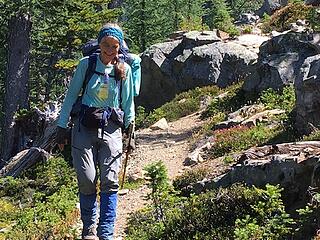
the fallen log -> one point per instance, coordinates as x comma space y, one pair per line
41, 147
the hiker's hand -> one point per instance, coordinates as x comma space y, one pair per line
129, 138
129, 130
62, 136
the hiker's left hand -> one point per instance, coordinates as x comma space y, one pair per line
62, 137
129, 138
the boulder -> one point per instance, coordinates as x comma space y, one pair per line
294, 166
269, 6
280, 59
308, 96
248, 18
198, 59
162, 124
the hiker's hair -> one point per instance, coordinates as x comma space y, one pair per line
120, 70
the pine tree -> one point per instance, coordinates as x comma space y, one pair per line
238, 7
219, 16
59, 28
59, 33
17, 72
192, 13
146, 22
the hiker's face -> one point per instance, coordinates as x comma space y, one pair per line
109, 49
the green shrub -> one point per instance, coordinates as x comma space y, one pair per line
46, 196
233, 31
308, 221
182, 105
281, 19
192, 23
140, 117
314, 19
240, 138
8, 213
284, 99
269, 220
213, 215
181, 182
234, 99
313, 136
247, 29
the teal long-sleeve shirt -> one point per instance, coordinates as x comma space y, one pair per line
97, 94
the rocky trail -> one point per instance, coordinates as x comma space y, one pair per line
170, 146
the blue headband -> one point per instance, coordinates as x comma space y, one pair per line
113, 32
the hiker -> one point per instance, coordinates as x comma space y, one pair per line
108, 98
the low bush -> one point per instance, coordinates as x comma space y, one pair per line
247, 29
234, 98
269, 219
314, 19
308, 221
281, 19
182, 182
182, 105
313, 136
240, 138
45, 198
284, 99
217, 214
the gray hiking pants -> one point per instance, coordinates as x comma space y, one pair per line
94, 157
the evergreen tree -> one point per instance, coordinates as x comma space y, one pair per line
146, 22
149, 22
59, 28
192, 13
59, 32
18, 23
238, 7
219, 17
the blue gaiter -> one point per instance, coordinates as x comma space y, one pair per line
88, 210
108, 209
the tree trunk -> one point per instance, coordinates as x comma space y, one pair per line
16, 84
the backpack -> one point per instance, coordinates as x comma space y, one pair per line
92, 48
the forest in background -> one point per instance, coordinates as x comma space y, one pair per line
41, 44
41, 41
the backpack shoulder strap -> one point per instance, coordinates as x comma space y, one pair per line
91, 69
119, 86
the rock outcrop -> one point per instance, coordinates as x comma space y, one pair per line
280, 59
269, 6
294, 166
198, 59
307, 89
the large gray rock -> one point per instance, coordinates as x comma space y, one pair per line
269, 6
307, 89
280, 59
198, 59
294, 166
312, 2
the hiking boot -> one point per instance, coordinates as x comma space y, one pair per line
89, 234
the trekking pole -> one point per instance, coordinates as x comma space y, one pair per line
130, 130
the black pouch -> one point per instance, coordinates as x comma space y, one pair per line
94, 118
117, 116
76, 108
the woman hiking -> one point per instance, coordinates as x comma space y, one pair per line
107, 108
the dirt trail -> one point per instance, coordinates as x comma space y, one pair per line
171, 146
